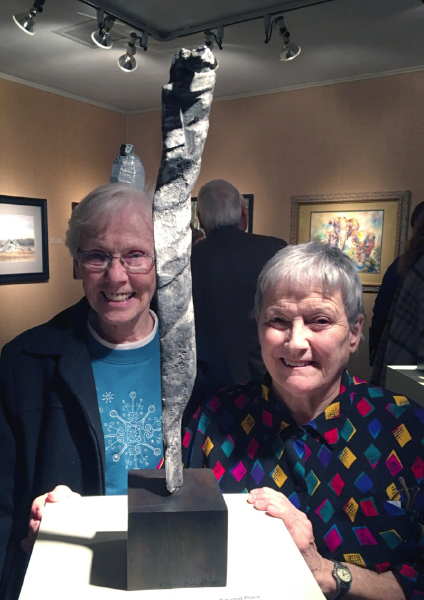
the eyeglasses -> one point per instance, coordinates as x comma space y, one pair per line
133, 262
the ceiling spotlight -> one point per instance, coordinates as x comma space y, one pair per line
127, 61
210, 36
102, 37
208, 39
26, 21
144, 40
220, 35
289, 50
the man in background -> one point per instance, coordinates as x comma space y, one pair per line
225, 268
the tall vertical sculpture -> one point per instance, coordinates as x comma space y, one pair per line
186, 103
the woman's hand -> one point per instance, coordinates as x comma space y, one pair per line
59, 493
365, 585
300, 528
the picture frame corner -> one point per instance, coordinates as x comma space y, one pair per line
25, 262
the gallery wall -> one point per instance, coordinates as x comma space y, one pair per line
362, 136
58, 149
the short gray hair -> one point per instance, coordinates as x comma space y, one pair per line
92, 215
311, 264
219, 204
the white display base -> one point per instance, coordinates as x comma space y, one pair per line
406, 380
80, 554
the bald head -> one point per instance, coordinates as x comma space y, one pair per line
219, 204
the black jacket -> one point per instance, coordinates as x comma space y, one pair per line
50, 428
225, 269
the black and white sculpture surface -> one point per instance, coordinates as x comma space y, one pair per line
186, 103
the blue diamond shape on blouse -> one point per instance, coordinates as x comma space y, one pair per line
299, 446
294, 499
419, 413
363, 482
324, 456
257, 472
374, 427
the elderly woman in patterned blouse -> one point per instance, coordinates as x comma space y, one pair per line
337, 460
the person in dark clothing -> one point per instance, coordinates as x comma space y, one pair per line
383, 302
67, 386
391, 281
81, 394
339, 461
402, 341
225, 268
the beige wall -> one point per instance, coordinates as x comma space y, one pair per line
364, 136
58, 149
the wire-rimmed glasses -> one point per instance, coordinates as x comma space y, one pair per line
133, 262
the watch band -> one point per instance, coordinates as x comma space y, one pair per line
343, 577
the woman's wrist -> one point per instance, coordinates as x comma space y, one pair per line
325, 579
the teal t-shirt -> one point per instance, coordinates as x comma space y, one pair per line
127, 378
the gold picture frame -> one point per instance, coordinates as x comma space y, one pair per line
371, 228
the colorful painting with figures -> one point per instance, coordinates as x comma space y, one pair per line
357, 233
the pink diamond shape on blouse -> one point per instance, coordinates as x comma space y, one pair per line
239, 471
218, 471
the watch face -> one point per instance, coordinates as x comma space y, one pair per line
344, 574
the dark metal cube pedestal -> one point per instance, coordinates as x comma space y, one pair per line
176, 540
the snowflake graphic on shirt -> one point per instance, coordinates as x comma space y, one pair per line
108, 397
137, 433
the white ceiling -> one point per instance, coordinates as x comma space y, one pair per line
340, 40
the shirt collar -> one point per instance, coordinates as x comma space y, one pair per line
333, 417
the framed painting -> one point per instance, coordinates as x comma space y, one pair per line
371, 229
249, 205
23, 240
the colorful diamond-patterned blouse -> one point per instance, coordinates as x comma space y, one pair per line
356, 470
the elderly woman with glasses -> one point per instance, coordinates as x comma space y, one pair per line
338, 461
81, 401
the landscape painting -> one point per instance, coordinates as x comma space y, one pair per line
17, 238
24, 255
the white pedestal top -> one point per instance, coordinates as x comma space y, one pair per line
406, 380
80, 554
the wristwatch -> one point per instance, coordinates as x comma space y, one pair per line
343, 577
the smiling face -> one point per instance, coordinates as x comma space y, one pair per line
306, 342
120, 300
